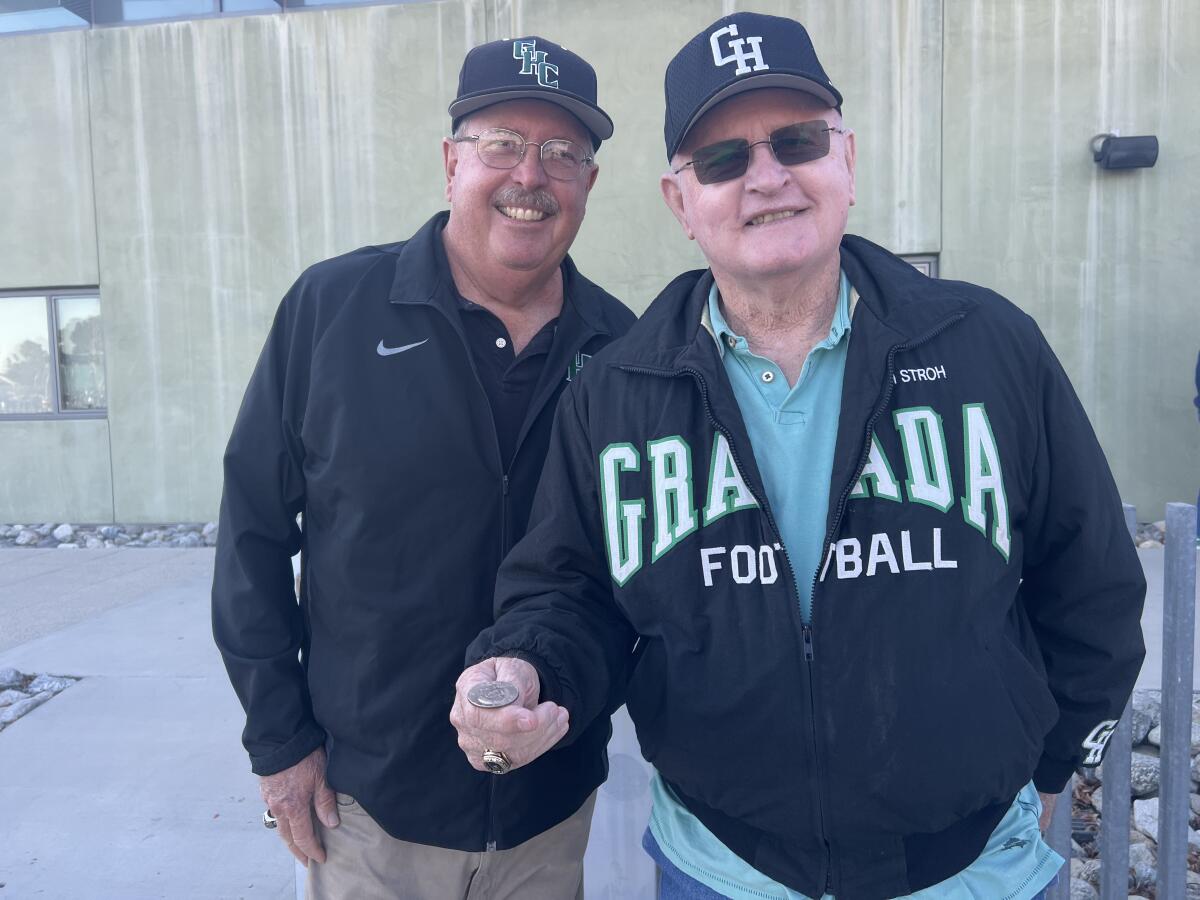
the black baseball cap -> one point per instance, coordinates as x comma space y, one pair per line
741, 52
530, 68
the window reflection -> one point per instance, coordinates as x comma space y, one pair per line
24, 356
80, 353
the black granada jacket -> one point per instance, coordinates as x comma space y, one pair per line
975, 622
394, 461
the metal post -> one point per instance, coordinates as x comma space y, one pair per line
1179, 624
1058, 836
1114, 817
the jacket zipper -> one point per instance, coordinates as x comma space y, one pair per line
839, 511
490, 843
806, 628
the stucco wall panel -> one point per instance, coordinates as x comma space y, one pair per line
47, 223
230, 154
1105, 261
55, 471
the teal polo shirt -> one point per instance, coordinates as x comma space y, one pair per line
793, 432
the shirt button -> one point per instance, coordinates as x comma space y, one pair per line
731, 341
501, 343
768, 377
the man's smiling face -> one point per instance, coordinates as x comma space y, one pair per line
518, 218
774, 220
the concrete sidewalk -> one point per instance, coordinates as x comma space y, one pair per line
132, 783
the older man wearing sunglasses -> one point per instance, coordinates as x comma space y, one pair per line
403, 403
839, 534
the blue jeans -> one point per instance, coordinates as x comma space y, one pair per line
675, 884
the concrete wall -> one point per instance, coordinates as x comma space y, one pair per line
231, 153
48, 221
1107, 262
51, 468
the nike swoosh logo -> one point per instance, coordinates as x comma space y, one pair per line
392, 351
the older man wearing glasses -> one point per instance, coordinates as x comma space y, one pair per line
840, 535
403, 404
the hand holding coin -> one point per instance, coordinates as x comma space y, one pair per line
500, 723
492, 694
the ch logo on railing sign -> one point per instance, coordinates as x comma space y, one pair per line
533, 62
738, 52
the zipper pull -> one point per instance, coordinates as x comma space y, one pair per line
808, 643
504, 485
491, 847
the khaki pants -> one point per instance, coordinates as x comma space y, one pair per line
364, 862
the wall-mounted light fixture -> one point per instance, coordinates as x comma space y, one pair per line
1110, 151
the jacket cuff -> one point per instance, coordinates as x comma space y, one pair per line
1052, 775
551, 689
308, 740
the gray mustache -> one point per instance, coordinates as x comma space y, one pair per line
542, 201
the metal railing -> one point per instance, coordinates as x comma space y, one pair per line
1179, 625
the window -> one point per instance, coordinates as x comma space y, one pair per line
51, 355
56, 15
42, 15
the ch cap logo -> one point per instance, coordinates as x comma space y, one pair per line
533, 62
738, 52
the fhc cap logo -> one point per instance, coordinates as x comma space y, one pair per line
533, 62
738, 52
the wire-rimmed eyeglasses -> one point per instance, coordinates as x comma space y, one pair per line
499, 148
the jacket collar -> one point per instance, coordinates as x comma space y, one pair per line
893, 296
423, 276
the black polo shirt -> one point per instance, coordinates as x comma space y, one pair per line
508, 380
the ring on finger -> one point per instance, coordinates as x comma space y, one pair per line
496, 761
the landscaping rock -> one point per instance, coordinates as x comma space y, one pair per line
11, 696
1145, 817
1088, 870
1143, 871
1143, 775
52, 683
1155, 737
1147, 709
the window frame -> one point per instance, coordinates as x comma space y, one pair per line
925, 263
282, 7
48, 296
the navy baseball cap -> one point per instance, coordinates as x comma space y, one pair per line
530, 68
741, 52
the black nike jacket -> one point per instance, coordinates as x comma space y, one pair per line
393, 459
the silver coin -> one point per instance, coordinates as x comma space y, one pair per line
492, 694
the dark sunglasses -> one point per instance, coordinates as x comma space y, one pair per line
791, 144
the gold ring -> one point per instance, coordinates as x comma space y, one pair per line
496, 761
